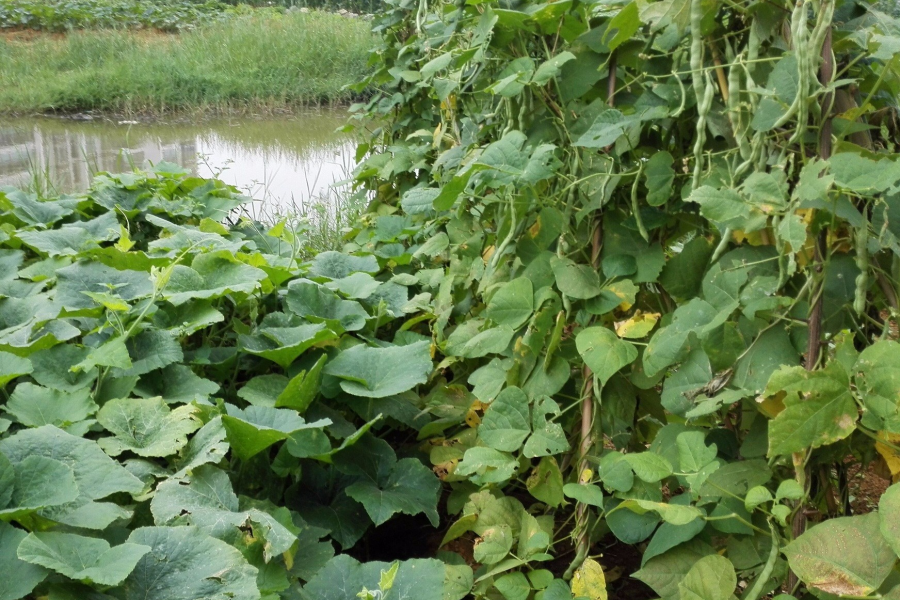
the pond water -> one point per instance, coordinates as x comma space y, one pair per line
283, 164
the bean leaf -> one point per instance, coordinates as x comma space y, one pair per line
604, 352
844, 556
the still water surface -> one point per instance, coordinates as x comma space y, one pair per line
282, 163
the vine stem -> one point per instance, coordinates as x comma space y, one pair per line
582, 532
814, 337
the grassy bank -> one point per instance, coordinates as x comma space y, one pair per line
256, 63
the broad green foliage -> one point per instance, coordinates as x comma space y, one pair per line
381, 372
81, 557
565, 315
27, 575
628, 226
343, 577
711, 578
183, 398
194, 566
145, 426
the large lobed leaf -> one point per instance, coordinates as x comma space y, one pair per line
343, 578
80, 557
255, 428
186, 564
96, 474
380, 372
21, 577
146, 426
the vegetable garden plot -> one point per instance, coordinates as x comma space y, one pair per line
629, 270
668, 277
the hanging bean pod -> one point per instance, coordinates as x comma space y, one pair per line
862, 263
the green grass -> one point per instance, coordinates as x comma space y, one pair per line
254, 64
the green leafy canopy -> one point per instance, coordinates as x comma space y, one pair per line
627, 275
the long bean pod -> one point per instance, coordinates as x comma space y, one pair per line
697, 48
734, 110
635, 206
702, 111
862, 263
817, 38
804, 60
797, 14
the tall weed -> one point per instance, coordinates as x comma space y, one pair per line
250, 63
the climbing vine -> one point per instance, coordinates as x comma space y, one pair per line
664, 245
620, 321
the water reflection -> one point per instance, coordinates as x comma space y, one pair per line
281, 163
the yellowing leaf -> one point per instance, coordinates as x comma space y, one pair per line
445, 469
437, 135
625, 291
891, 456
754, 238
589, 581
473, 415
586, 476
846, 556
637, 326
770, 406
